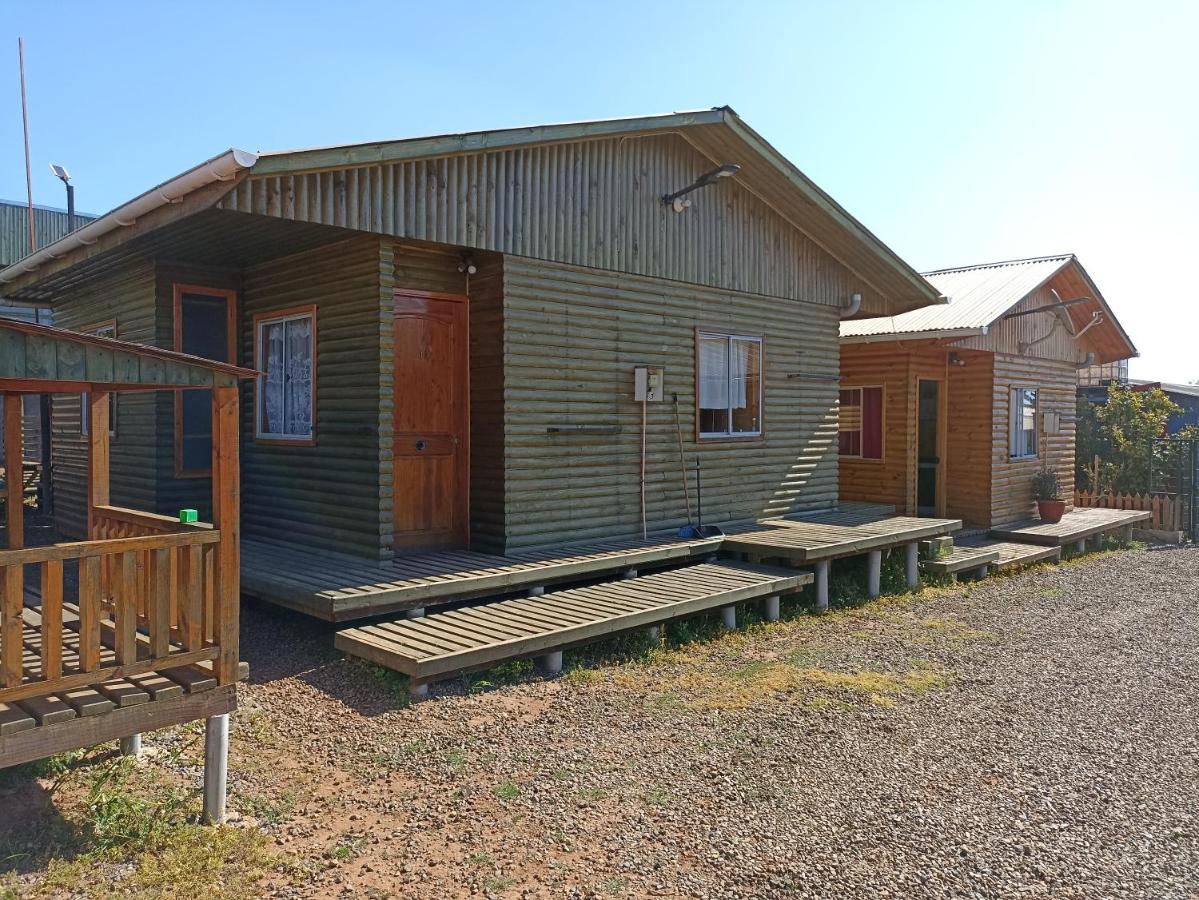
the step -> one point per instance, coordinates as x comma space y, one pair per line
477, 637
961, 559
934, 547
1013, 554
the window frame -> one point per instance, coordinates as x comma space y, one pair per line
882, 423
258, 322
739, 436
178, 289
1015, 421
98, 330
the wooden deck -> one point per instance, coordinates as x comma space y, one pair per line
961, 559
1011, 554
337, 587
849, 531
1076, 525
477, 637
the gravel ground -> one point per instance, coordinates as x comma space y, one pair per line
1032, 735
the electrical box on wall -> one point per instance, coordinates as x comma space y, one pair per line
1051, 424
647, 383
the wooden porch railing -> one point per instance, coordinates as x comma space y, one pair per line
143, 604
1167, 511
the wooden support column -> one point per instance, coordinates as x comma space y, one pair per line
226, 498
97, 455
874, 569
912, 564
14, 463
822, 569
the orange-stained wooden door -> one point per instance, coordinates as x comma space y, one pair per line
432, 402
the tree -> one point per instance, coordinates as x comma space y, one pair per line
1120, 433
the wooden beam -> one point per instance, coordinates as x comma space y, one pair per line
97, 455
226, 499
14, 462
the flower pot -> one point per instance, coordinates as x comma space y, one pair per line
1051, 510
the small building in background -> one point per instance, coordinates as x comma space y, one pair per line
1185, 396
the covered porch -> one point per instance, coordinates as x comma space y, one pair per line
136, 627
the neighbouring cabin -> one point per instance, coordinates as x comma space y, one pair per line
134, 627
949, 410
450, 331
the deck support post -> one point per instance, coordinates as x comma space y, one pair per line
912, 564
772, 608
551, 663
653, 634
628, 574
982, 571
874, 572
216, 765
535, 591
822, 568
417, 613
131, 745
728, 617
1081, 546
417, 692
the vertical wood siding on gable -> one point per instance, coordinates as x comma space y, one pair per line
126, 295
591, 203
1011, 490
1007, 335
572, 337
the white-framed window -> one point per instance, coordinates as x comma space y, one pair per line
108, 330
729, 371
285, 352
1022, 423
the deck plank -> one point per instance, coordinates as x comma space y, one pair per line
1078, 524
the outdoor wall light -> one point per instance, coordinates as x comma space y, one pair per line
676, 200
956, 360
467, 266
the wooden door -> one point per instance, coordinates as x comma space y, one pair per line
431, 486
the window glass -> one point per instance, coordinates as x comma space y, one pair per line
1023, 422
860, 423
730, 385
285, 392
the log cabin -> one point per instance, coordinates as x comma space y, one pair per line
949, 410
454, 331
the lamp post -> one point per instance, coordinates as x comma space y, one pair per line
65, 177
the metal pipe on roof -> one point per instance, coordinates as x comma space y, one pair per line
224, 167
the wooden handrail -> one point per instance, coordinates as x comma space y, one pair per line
155, 521
104, 547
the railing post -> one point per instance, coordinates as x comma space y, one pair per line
226, 496
97, 456
14, 480
12, 600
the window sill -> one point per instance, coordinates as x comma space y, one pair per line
730, 438
285, 442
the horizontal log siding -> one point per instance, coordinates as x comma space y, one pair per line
572, 338
1011, 490
487, 480
589, 203
174, 493
327, 495
968, 449
886, 480
126, 295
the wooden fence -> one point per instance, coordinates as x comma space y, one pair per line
1168, 512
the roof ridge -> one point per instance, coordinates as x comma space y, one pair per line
1003, 262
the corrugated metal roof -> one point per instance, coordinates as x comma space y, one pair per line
1188, 390
49, 224
978, 295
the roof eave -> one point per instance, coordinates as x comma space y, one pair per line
938, 334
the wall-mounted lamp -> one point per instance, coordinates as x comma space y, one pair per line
956, 360
467, 266
676, 200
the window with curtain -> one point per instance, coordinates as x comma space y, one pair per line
108, 330
285, 351
860, 423
729, 368
1022, 422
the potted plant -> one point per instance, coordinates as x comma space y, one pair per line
1046, 490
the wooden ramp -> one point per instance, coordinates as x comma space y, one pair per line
436, 645
338, 587
1075, 526
844, 532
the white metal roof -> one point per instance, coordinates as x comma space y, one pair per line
978, 295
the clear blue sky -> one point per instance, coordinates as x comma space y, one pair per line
959, 132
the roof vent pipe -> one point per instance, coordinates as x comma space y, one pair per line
855, 303
1087, 362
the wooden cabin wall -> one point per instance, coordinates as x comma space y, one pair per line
126, 296
487, 476
572, 339
328, 495
174, 493
1011, 488
968, 441
885, 480
593, 203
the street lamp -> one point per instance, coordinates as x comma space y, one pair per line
65, 177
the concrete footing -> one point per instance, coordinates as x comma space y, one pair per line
982, 571
874, 573
414, 613
912, 564
653, 634
822, 569
131, 745
728, 617
551, 663
417, 692
535, 591
1081, 546
771, 608
627, 574
216, 767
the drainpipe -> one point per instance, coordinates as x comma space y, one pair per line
855, 303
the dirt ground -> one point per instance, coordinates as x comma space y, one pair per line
1031, 735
